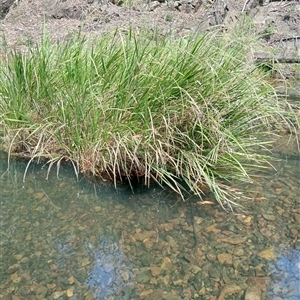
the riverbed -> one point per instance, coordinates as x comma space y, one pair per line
64, 237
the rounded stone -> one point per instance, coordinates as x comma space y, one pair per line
225, 258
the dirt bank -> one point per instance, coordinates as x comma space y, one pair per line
22, 21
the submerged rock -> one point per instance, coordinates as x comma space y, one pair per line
41, 292
268, 254
229, 290
253, 293
225, 258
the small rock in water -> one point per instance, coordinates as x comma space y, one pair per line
85, 262
238, 251
268, 254
70, 292
58, 294
253, 293
225, 258
145, 293
229, 290
212, 228
143, 277
15, 278
202, 291
155, 271
258, 283
214, 272
13, 268
165, 280
177, 282
297, 217
41, 292
166, 264
211, 256
71, 280
107, 268
18, 256
248, 220
234, 241
269, 217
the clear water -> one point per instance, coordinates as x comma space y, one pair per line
63, 238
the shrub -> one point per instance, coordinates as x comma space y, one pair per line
185, 112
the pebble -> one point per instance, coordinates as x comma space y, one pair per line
165, 280
268, 254
233, 241
70, 292
202, 291
214, 272
253, 293
195, 269
143, 276
166, 264
155, 271
171, 296
238, 251
58, 294
212, 228
146, 293
297, 217
225, 258
158, 294
229, 290
269, 217
178, 282
211, 256
41, 292
246, 220
125, 275
13, 268
18, 256
294, 232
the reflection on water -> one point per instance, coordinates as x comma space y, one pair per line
286, 275
111, 272
64, 238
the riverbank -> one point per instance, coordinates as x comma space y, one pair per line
190, 113
275, 21
147, 103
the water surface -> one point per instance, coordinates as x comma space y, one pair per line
68, 238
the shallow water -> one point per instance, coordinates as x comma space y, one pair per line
63, 238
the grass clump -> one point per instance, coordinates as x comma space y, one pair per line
183, 112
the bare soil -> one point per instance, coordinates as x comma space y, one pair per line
22, 21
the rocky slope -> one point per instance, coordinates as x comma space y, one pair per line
22, 20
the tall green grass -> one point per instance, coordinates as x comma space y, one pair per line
184, 112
